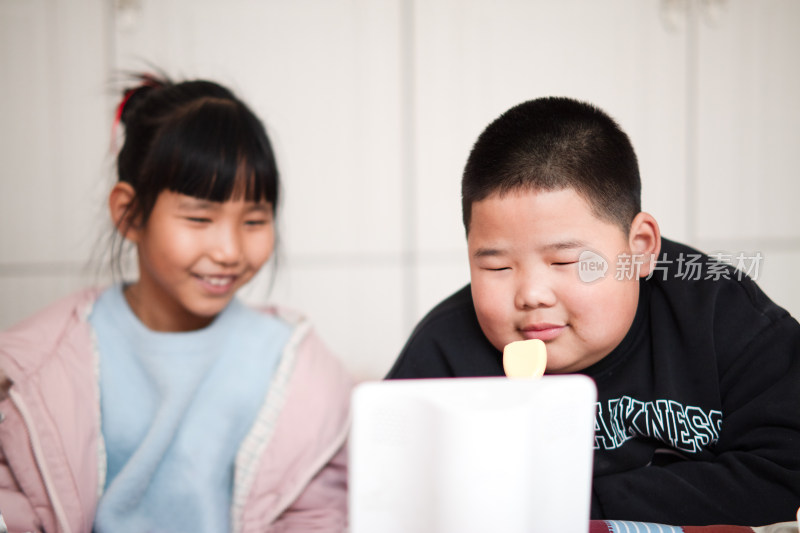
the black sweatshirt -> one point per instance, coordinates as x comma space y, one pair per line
698, 418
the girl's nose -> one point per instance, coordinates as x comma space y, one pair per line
226, 247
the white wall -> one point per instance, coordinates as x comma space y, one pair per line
373, 106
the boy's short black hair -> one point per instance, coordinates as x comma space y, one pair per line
551, 144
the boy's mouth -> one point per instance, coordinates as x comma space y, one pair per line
543, 332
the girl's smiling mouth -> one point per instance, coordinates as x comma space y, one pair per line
216, 284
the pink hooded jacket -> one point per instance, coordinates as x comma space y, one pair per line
290, 472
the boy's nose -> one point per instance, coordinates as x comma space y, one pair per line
533, 292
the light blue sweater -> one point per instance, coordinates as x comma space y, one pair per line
175, 407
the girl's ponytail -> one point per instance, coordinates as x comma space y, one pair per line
133, 96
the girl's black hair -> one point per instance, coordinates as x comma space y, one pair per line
194, 138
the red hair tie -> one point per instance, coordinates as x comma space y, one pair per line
147, 81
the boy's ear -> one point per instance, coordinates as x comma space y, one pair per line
645, 241
121, 200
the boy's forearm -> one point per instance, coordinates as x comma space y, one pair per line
731, 491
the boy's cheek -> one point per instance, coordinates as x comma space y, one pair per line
494, 317
488, 295
484, 296
492, 328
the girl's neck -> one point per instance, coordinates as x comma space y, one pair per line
161, 316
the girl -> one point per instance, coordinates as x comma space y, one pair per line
166, 404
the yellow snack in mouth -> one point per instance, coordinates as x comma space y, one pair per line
525, 359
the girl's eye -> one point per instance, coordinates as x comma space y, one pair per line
563, 263
260, 222
497, 269
199, 220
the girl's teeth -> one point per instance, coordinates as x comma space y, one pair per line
217, 281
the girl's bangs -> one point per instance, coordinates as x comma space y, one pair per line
217, 152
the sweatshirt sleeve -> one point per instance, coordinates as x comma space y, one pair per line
421, 357
754, 476
448, 342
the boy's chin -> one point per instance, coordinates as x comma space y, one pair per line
561, 365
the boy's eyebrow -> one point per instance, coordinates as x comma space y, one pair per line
554, 246
487, 252
565, 245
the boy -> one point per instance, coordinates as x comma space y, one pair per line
698, 372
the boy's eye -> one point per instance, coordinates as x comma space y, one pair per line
496, 269
199, 220
562, 263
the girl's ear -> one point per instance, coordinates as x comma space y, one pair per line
121, 201
645, 242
